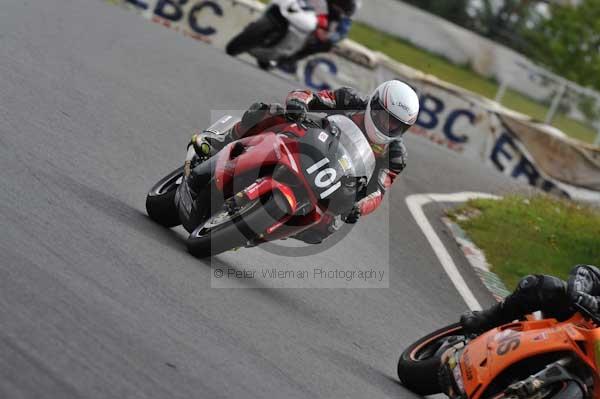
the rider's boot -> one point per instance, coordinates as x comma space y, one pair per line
534, 292
288, 65
206, 145
475, 322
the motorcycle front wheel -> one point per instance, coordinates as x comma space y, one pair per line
160, 201
419, 364
225, 230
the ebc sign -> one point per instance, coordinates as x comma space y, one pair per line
175, 10
434, 116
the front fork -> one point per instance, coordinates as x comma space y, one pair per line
450, 375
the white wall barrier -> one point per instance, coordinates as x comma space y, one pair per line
460, 45
450, 116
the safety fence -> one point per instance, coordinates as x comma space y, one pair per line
450, 116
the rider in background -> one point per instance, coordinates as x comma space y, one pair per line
334, 22
383, 118
548, 294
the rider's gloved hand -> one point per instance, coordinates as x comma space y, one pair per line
353, 216
295, 110
588, 301
582, 282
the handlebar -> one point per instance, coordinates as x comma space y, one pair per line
587, 314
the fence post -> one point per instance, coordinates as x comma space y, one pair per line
555, 103
501, 92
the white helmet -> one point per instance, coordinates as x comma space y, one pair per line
392, 110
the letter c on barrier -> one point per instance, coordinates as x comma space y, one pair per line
209, 30
310, 70
451, 120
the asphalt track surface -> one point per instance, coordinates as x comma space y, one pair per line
96, 301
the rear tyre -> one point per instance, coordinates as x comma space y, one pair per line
160, 201
419, 364
225, 231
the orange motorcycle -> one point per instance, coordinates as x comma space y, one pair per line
531, 359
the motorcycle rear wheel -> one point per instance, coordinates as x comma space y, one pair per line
160, 201
419, 364
224, 231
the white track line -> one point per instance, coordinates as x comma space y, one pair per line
415, 204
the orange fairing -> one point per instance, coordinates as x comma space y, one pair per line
488, 355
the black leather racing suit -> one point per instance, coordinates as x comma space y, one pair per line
548, 294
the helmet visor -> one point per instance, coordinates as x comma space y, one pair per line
385, 122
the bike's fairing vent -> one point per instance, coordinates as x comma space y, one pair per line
283, 175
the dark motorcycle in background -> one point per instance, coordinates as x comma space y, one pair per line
280, 32
267, 186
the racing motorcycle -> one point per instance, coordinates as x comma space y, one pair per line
280, 32
265, 187
531, 359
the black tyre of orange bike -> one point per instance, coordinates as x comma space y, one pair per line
418, 365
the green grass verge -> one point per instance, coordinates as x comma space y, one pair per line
462, 76
532, 235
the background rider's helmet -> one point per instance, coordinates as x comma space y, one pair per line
344, 7
392, 110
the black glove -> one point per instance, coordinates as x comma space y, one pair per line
295, 110
353, 216
588, 301
255, 114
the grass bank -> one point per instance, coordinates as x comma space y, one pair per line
532, 235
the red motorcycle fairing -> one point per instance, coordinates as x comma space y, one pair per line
268, 185
244, 155
264, 150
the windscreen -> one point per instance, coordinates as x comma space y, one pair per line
353, 148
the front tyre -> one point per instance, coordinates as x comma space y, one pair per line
420, 363
225, 231
160, 201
